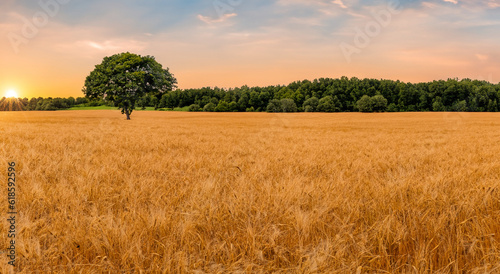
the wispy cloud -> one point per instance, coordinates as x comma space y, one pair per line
221, 19
113, 46
340, 3
482, 57
494, 4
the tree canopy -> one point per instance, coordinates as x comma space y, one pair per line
125, 78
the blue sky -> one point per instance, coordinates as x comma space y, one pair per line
229, 43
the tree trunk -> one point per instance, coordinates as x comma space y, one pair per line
127, 113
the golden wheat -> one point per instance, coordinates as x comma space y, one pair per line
301, 193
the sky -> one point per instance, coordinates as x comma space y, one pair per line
48, 47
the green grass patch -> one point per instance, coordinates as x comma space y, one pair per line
92, 108
182, 109
186, 109
81, 107
147, 109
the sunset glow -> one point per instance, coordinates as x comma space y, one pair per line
11, 94
253, 43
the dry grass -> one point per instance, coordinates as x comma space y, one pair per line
300, 193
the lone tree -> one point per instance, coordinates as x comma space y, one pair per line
125, 78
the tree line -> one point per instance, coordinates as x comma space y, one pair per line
343, 95
42, 104
320, 95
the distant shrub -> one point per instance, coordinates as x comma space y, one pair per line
210, 107
274, 106
288, 105
379, 103
370, 104
459, 106
392, 108
95, 103
329, 104
283, 105
233, 107
310, 104
223, 106
81, 100
364, 104
438, 105
48, 105
194, 108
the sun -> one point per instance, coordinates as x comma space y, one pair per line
11, 94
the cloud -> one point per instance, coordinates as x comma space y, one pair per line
482, 57
429, 5
340, 3
221, 19
113, 46
477, 4
493, 4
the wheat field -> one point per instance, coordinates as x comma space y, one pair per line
179, 192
